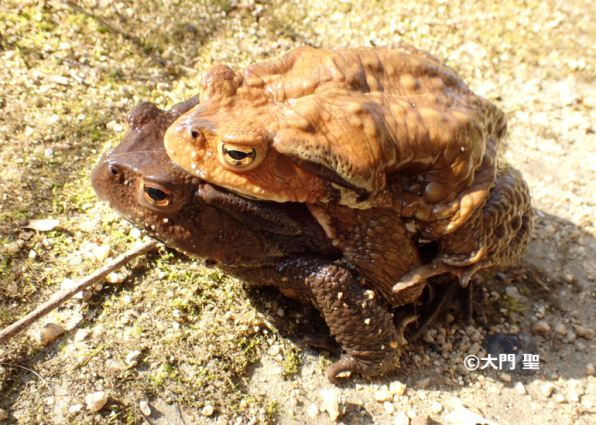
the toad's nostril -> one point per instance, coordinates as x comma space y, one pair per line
195, 134
116, 171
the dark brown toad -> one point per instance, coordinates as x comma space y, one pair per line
263, 243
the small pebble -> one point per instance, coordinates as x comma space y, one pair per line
76, 408
32, 254
383, 395
313, 411
292, 403
102, 252
505, 377
80, 335
135, 233
541, 312
115, 278
118, 128
512, 292
208, 410
331, 399
421, 420
274, 350
280, 312
547, 389
474, 349
519, 387
49, 332
96, 401
423, 383
560, 329
145, 408
559, 398
570, 337
541, 327
589, 369
3, 414
49, 153
12, 248
586, 333
397, 388
132, 358
436, 408
389, 408
402, 419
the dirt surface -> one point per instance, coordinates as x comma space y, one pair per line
200, 347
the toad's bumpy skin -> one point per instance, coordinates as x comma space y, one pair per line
357, 317
363, 128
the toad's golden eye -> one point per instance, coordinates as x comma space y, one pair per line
156, 196
238, 156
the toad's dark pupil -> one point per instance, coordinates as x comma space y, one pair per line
156, 194
237, 155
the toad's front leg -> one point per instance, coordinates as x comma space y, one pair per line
357, 317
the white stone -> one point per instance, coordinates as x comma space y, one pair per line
145, 408
12, 248
102, 252
541, 327
547, 389
76, 408
96, 401
32, 254
519, 387
208, 410
49, 332
505, 377
397, 388
436, 408
463, 416
589, 369
80, 335
559, 398
135, 233
115, 278
389, 408
383, 395
402, 419
313, 411
131, 358
331, 400
586, 333
474, 349
560, 329
274, 350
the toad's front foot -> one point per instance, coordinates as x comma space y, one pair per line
357, 316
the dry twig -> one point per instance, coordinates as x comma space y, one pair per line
61, 297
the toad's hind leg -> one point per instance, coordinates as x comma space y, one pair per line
493, 238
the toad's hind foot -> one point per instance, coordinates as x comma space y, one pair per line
493, 238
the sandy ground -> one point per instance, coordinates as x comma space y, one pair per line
199, 347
